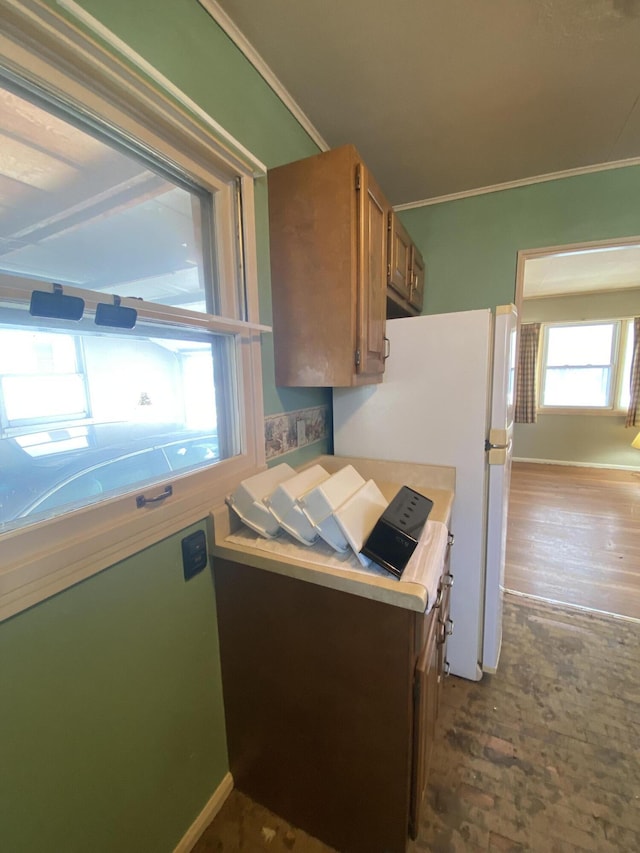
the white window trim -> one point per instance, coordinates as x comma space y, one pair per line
620, 338
40, 46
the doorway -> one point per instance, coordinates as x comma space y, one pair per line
573, 532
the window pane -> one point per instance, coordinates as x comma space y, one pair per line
579, 345
582, 386
34, 398
77, 210
150, 412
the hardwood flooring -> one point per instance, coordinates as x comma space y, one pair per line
574, 536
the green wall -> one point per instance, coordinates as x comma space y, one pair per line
614, 305
111, 713
471, 246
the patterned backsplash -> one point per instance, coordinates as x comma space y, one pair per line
292, 430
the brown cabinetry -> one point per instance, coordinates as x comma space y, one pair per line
400, 246
331, 701
431, 669
405, 292
341, 263
416, 278
328, 242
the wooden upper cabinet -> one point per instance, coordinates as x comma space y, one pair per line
400, 247
405, 274
372, 283
416, 279
328, 244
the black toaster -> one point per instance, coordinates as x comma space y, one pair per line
396, 533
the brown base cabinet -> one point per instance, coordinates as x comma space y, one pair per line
330, 702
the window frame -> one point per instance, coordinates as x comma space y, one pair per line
622, 327
42, 48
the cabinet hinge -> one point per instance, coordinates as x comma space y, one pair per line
357, 358
357, 177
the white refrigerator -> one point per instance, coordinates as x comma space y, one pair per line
447, 399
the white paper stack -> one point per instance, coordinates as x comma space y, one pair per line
283, 503
249, 499
320, 503
358, 515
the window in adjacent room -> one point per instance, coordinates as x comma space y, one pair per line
586, 365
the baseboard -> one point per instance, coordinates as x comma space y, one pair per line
211, 809
580, 607
576, 464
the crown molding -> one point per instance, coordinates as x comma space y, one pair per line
137, 61
251, 54
523, 182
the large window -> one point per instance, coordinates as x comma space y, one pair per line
586, 365
86, 212
129, 335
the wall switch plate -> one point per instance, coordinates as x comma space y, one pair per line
194, 554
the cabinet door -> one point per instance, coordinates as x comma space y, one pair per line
416, 297
424, 720
373, 211
399, 257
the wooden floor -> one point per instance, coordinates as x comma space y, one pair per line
574, 536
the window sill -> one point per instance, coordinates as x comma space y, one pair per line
618, 413
48, 557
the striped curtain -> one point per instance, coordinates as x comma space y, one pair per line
633, 414
525, 408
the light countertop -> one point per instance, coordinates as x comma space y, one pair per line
320, 564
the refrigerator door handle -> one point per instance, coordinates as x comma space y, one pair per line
497, 446
498, 440
489, 446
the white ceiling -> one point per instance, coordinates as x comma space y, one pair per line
449, 96
587, 271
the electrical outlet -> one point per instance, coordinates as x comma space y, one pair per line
194, 554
